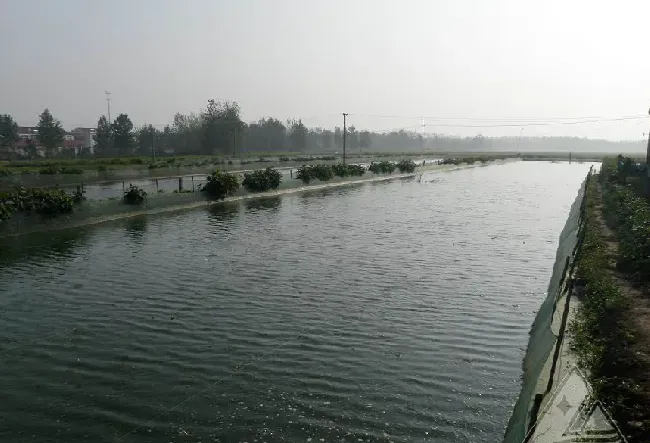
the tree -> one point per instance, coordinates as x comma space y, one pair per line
297, 135
8, 133
103, 136
222, 127
123, 134
327, 138
352, 139
365, 140
186, 133
338, 138
50, 132
148, 140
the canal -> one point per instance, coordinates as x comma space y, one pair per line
389, 311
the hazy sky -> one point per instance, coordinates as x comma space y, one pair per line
451, 59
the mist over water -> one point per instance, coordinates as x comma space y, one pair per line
388, 311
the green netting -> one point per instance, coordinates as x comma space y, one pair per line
542, 339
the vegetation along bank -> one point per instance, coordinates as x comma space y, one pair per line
611, 331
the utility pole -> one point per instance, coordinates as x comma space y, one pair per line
344, 133
108, 103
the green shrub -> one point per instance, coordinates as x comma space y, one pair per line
6, 172
304, 173
118, 161
406, 166
307, 173
356, 170
341, 170
262, 180
135, 195
37, 200
135, 161
53, 169
220, 184
383, 167
284, 159
468, 160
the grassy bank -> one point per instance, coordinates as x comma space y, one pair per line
609, 333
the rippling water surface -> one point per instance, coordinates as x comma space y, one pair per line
382, 312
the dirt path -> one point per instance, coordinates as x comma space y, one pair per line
639, 309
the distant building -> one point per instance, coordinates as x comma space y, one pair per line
77, 139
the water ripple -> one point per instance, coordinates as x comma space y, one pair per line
383, 312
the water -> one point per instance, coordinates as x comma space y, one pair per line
381, 312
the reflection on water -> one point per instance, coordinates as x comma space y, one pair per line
224, 211
391, 311
42, 244
136, 227
273, 202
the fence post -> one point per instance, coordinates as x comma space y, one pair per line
192, 183
180, 184
291, 172
157, 185
122, 187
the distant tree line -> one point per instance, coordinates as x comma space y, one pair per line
220, 130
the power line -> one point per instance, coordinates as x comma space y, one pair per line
499, 119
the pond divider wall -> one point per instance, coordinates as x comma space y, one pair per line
98, 211
542, 340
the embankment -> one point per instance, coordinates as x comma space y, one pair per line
540, 367
94, 212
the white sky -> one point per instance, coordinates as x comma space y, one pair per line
461, 59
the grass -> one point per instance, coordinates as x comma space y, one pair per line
602, 334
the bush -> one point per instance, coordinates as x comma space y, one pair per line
406, 166
6, 172
262, 180
135, 195
284, 159
40, 201
356, 170
220, 184
383, 167
136, 161
467, 160
341, 170
307, 173
304, 174
53, 169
